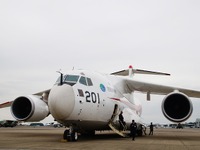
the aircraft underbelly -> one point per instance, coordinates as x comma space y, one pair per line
87, 125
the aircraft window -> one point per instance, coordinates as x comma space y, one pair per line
71, 78
89, 81
83, 81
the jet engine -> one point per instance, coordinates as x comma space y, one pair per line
177, 107
29, 108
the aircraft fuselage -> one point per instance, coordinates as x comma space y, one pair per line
88, 101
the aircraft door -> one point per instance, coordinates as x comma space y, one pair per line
115, 113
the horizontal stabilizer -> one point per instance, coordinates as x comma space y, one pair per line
137, 71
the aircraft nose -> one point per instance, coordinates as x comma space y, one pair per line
61, 101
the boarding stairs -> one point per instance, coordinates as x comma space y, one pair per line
112, 124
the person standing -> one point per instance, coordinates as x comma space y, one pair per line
121, 121
151, 129
133, 129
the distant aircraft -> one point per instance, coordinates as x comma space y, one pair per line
87, 101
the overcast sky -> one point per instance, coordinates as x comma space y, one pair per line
39, 37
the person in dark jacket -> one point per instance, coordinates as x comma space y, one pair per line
121, 121
151, 129
133, 129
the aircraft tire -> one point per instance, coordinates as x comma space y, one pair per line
70, 137
74, 136
66, 135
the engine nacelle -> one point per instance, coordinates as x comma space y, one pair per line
29, 108
177, 107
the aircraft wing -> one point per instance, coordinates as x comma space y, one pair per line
6, 104
44, 94
150, 88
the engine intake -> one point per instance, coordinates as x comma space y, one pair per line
177, 107
29, 108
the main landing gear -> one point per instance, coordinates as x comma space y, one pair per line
70, 134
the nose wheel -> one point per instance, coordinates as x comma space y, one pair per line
70, 134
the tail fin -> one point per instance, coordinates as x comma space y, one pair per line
130, 72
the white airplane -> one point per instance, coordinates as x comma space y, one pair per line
87, 101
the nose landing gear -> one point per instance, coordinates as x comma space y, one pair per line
70, 134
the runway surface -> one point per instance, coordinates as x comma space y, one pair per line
42, 138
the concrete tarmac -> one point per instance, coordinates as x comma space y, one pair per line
43, 138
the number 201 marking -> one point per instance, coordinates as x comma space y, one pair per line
92, 97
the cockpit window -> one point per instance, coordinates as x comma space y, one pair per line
83, 80
71, 78
89, 81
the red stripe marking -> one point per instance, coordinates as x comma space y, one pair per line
116, 99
